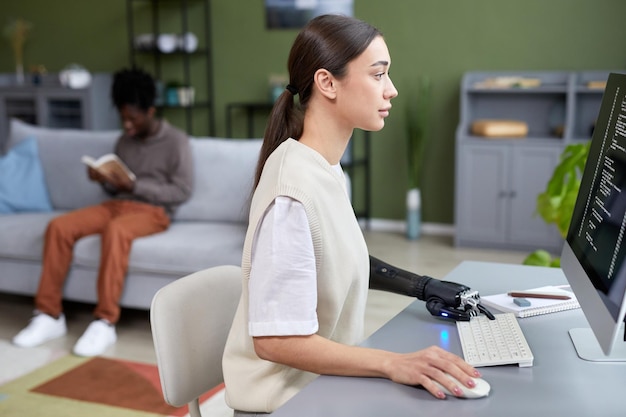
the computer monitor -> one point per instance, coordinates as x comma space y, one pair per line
594, 253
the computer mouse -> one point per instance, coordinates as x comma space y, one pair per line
481, 389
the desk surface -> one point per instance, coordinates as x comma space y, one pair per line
559, 383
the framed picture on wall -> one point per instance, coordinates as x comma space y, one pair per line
293, 14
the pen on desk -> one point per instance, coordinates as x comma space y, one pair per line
538, 295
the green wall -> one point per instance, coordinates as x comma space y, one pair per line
441, 39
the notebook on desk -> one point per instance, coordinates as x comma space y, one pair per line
538, 306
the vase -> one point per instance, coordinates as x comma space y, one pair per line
19, 74
413, 214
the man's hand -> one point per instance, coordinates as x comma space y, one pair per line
121, 183
97, 176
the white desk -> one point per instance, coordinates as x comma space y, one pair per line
559, 383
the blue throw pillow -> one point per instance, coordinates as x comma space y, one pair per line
22, 182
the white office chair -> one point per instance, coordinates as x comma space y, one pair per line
190, 320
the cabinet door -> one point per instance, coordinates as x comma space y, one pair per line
63, 108
18, 105
532, 167
482, 193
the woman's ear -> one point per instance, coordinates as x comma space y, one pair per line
325, 83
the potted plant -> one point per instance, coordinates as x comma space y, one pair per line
418, 112
17, 32
556, 203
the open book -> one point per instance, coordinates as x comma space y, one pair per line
505, 303
109, 165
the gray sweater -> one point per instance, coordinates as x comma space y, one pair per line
163, 165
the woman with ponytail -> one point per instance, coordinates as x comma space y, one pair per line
305, 262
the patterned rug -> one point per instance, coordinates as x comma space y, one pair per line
104, 387
15, 362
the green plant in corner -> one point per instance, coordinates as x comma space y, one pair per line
418, 113
556, 203
17, 31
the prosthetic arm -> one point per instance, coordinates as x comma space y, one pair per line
443, 298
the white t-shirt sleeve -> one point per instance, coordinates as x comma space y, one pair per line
283, 283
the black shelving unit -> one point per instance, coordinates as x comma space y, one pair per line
152, 14
356, 163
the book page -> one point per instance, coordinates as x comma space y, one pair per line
110, 166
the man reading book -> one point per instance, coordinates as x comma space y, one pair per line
160, 157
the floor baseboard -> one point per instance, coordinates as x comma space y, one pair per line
399, 226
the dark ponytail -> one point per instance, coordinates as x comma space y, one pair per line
327, 41
285, 121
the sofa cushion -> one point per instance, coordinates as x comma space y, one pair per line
22, 235
22, 182
223, 179
60, 151
184, 248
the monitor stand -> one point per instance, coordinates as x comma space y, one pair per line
589, 349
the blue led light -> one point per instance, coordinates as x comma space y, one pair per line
444, 314
445, 336
444, 339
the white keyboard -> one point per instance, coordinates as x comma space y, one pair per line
494, 342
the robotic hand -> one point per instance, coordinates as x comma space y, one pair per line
443, 298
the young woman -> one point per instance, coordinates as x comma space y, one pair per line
305, 264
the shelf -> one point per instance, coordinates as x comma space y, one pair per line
562, 102
503, 139
518, 90
587, 90
187, 68
197, 104
200, 52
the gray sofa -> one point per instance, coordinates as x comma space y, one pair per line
206, 231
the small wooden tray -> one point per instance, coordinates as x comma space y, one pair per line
499, 128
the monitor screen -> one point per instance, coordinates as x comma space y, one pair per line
595, 249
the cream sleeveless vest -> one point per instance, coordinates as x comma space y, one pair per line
342, 262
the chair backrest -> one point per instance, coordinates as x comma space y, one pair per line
190, 320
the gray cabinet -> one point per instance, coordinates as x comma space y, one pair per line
531, 168
498, 179
481, 198
500, 183
52, 105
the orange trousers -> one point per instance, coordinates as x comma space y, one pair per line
118, 222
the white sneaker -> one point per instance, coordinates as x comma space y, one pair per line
41, 328
100, 334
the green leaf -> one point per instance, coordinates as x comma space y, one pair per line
539, 257
418, 114
556, 204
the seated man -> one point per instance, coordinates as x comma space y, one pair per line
160, 157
